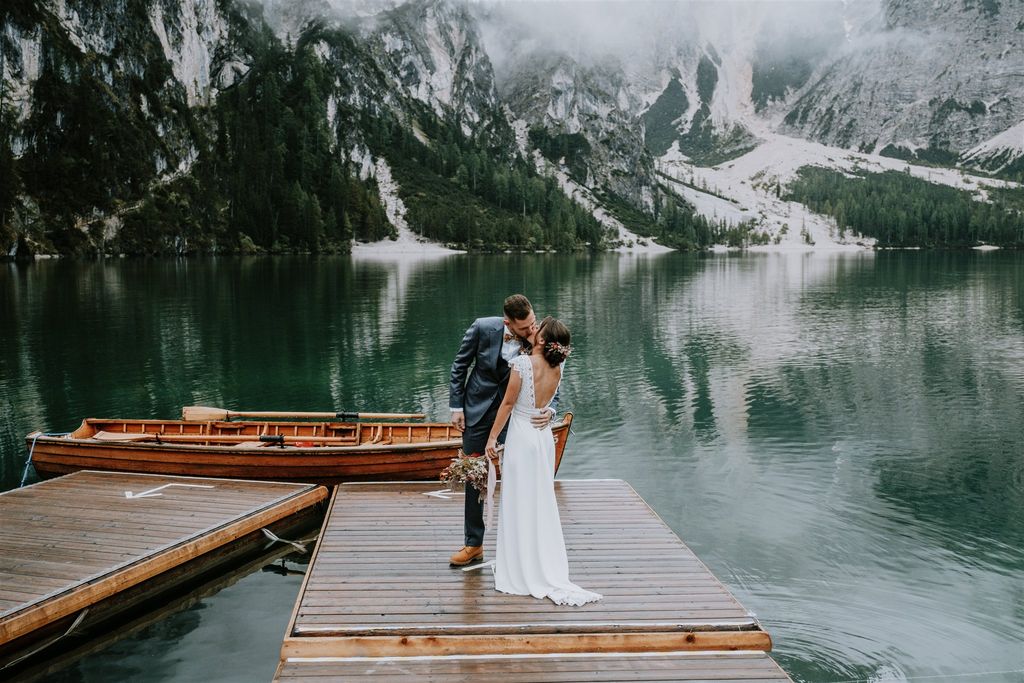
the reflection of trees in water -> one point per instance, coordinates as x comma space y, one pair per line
975, 497
438, 302
721, 347
718, 326
929, 342
146, 646
909, 356
911, 277
137, 657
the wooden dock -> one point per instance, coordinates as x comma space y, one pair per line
720, 667
79, 550
379, 596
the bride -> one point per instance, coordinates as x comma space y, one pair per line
531, 558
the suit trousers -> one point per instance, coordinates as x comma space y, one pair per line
474, 440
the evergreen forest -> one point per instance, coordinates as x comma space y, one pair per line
900, 210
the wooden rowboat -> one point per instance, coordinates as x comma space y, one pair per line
327, 452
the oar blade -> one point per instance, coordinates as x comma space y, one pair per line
203, 414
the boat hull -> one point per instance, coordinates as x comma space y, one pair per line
54, 456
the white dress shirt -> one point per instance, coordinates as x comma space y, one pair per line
511, 348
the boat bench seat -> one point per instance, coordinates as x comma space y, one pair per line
119, 436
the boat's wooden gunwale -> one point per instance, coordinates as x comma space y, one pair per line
175, 446
328, 464
41, 438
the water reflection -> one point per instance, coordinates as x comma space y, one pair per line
837, 436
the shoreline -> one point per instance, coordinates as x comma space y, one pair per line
400, 249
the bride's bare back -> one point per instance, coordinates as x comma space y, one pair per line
545, 380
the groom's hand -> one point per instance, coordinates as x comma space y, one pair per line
459, 420
541, 420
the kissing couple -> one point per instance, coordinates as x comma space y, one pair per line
504, 389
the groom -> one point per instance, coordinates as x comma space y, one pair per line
489, 345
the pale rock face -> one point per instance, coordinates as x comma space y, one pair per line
431, 52
189, 37
195, 31
184, 165
362, 161
394, 207
229, 73
945, 75
624, 240
520, 130
562, 96
20, 73
406, 241
82, 31
332, 117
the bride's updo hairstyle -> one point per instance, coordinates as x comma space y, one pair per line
556, 340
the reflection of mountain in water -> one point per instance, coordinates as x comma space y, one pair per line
932, 369
725, 314
836, 436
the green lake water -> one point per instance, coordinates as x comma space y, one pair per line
839, 437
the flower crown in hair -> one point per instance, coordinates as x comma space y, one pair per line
555, 346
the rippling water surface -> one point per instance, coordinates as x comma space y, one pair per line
839, 437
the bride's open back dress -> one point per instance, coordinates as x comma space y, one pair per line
531, 558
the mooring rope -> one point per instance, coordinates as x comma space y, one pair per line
274, 538
32, 448
74, 625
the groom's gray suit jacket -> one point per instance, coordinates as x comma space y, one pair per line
481, 349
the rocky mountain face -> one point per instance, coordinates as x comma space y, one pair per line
587, 116
103, 103
920, 80
902, 78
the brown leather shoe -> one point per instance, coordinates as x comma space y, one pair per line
468, 555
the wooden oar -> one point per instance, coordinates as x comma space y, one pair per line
221, 438
204, 414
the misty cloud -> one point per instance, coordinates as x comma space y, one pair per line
642, 34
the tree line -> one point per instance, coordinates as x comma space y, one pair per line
284, 183
473, 193
899, 210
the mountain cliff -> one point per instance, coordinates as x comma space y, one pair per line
925, 81
154, 126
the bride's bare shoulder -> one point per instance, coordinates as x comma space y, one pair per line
542, 367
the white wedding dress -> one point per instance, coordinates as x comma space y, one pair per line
531, 558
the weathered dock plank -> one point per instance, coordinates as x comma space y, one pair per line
81, 548
724, 667
380, 586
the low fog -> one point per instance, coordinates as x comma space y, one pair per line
637, 32
643, 36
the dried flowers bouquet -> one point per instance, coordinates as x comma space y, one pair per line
466, 469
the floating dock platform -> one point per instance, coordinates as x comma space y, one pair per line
380, 597
80, 550
719, 667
